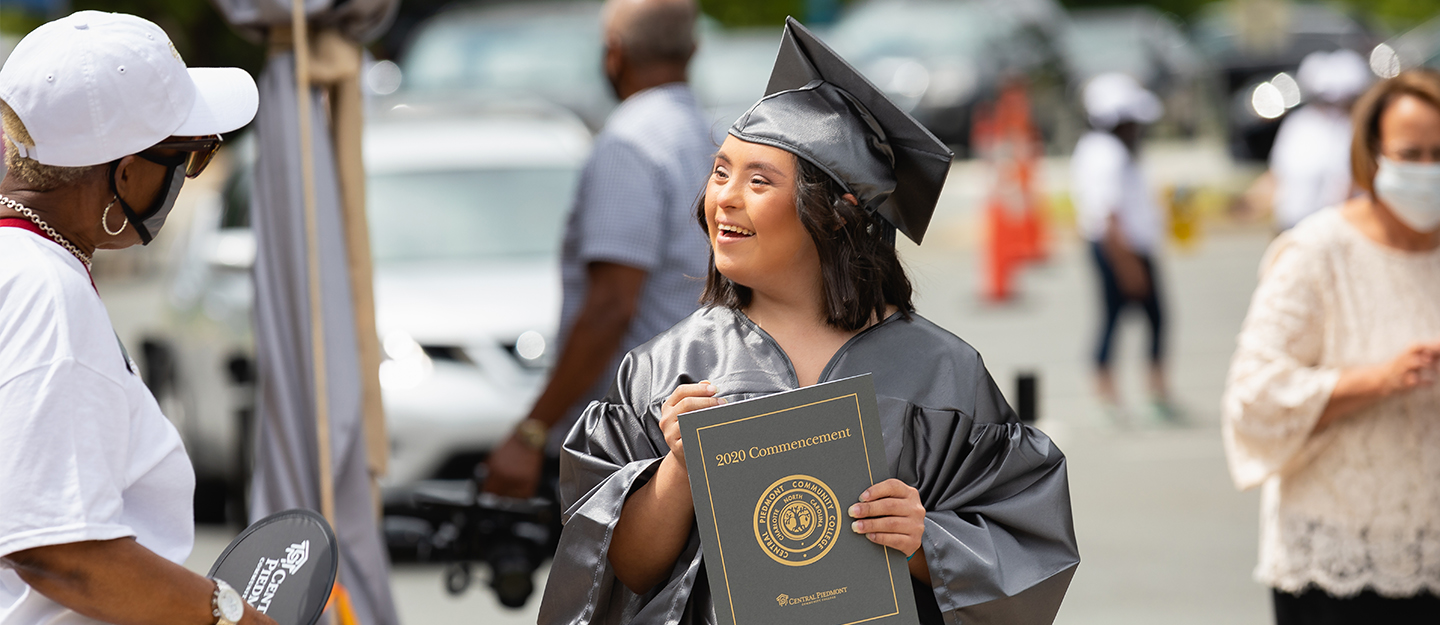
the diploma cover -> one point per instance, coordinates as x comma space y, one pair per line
773, 479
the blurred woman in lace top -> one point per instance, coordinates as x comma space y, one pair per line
1330, 405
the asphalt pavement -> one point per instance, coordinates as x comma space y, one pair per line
1164, 537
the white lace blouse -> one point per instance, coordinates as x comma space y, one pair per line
1356, 505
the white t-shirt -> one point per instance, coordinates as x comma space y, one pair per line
1310, 162
1105, 180
85, 453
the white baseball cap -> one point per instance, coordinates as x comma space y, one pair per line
94, 86
1114, 97
1334, 76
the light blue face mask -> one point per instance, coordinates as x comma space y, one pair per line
1411, 191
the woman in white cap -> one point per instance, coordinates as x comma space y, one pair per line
103, 123
1330, 404
1118, 216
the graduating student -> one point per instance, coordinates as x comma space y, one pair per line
801, 210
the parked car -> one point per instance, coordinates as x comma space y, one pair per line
730, 71
1144, 43
936, 59
466, 213
548, 50
1256, 49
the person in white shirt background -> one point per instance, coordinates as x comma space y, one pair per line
103, 123
1120, 219
1310, 161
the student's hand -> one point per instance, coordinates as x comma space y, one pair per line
890, 514
687, 397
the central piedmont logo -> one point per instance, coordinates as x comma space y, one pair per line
816, 597
270, 573
797, 520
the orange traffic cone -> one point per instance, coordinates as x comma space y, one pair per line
1015, 231
342, 612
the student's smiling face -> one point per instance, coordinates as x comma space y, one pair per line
751, 216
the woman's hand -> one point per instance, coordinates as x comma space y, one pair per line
1413, 368
1134, 281
255, 617
1361, 387
890, 514
1130, 274
119, 581
687, 397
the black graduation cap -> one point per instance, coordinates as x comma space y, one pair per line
821, 109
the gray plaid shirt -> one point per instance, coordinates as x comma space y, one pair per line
635, 206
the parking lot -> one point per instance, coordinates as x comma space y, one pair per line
1163, 535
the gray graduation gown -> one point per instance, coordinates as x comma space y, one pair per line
998, 535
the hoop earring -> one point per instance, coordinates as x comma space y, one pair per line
105, 220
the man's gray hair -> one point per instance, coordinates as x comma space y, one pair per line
653, 31
33, 173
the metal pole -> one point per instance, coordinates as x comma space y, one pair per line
1027, 390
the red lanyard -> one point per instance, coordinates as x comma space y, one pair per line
25, 224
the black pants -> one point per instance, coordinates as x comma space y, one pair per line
1116, 301
1317, 607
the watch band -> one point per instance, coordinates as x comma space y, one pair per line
225, 603
533, 433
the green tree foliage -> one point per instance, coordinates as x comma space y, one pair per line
199, 32
1399, 15
1396, 15
1181, 8
15, 22
204, 39
742, 13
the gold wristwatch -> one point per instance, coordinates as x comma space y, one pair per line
533, 433
226, 604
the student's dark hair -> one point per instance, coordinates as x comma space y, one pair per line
860, 271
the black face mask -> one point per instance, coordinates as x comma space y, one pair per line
148, 224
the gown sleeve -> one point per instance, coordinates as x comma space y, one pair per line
609, 453
1277, 389
999, 537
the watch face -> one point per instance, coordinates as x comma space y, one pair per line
231, 607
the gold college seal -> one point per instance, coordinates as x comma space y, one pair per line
797, 520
